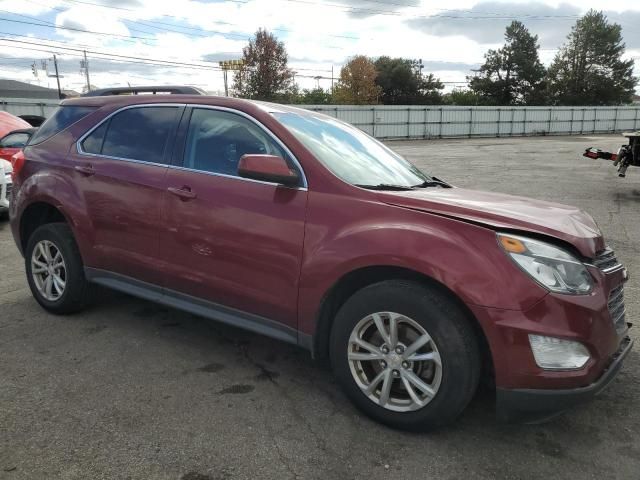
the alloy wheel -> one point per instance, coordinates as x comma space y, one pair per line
394, 361
48, 270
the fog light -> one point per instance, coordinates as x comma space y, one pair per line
558, 354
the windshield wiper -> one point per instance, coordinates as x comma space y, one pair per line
385, 186
433, 182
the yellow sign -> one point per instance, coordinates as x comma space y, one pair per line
231, 64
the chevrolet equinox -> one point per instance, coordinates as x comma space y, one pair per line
298, 226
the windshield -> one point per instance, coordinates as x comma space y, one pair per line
351, 154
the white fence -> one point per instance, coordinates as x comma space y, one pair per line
28, 106
387, 121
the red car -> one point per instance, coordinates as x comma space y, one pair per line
14, 141
9, 123
301, 227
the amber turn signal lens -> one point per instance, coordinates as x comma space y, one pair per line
512, 245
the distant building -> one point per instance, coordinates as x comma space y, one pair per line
15, 89
636, 100
70, 93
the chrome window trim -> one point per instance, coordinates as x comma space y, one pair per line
234, 177
269, 133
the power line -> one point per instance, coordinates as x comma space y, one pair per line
89, 48
128, 38
125, 58
114, 7
72, 29
396, 13
118, 57
148, 23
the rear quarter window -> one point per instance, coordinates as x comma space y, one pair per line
62, 118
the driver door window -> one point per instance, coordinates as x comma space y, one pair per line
216, 140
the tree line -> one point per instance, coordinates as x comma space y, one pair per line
588, 69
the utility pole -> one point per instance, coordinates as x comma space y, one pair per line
55, 64
85, 66
331, 79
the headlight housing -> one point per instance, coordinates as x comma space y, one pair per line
550, 266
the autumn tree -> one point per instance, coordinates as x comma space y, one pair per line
589, 69
402, 84
264, 74
513, 74
357, 83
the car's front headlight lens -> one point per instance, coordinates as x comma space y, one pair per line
550, 266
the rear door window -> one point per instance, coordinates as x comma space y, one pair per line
62, 118
140, 133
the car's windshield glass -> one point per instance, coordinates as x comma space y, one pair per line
349, 153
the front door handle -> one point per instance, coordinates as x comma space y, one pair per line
184, 193
85, 169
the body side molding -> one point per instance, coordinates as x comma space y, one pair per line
197, 306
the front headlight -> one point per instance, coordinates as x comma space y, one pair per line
550, 266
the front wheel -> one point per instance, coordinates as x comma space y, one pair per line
405, 354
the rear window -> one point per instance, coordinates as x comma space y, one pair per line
62, 118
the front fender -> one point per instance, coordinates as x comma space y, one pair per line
464, 257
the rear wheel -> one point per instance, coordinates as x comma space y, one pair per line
54, 269
405, 354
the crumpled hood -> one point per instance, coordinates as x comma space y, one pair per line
505, 211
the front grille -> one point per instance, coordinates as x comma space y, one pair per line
606, 260
617, 309
8, 188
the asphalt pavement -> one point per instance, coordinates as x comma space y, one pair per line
132, 390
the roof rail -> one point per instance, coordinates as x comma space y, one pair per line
160, 89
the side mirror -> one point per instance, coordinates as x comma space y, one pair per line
268, 168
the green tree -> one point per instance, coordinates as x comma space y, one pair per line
400, 84
315, 96
264, 74
464, 97
430, 90
589, 69
513, 74
357, 83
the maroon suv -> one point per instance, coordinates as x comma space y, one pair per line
301, 227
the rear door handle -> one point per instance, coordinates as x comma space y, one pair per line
85, 169
184, 193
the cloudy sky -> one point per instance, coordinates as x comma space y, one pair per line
144, 42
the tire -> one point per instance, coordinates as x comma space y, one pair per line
417, 310
75, 294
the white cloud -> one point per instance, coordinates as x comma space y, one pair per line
317, 36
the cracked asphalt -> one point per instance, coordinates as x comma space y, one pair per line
131, 390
